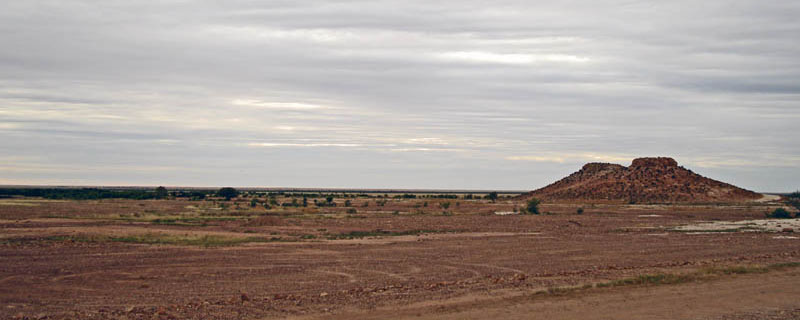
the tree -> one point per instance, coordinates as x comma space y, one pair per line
228, 193
161, 193
492, 196
533, 206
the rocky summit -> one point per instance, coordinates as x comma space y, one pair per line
646, 180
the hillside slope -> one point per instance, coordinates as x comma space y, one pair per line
646, 180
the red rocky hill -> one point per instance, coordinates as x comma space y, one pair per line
646, 180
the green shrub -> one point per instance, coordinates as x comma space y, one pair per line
779, 213
579, 211
161, 193
533, 206
228, 193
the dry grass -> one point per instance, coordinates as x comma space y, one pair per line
669, 278
149, 238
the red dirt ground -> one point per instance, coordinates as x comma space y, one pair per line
57, 264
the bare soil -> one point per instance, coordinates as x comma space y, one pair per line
125, 259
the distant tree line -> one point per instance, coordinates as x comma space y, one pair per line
96, 193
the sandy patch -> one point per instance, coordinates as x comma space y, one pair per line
762, 225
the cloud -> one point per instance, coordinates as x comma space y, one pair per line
417, 93
574, 158
510, 58
276, 105
303, 145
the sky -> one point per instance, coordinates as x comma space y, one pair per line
509, 95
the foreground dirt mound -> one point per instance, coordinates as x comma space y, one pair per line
645, 180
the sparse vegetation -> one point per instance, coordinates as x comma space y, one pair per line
378, 233
159, 239
161, 193
228, 193
83, 193
532, 206
779, 213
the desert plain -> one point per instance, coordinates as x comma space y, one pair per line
379, 256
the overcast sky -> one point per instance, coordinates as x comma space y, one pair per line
402, 94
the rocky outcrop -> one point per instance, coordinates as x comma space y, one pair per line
646, 180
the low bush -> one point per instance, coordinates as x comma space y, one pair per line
779, 213
533, 206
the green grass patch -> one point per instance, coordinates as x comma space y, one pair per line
670, 279
203, 241
379, 233
651, 279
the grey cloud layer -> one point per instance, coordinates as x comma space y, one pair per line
457, 94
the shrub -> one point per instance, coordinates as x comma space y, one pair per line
352, 211
533, 206
779, 213
492, 196
579, 211
161, 193
228, 193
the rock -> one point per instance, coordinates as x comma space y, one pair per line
646, 180
245, 297
324, 294
654, 162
